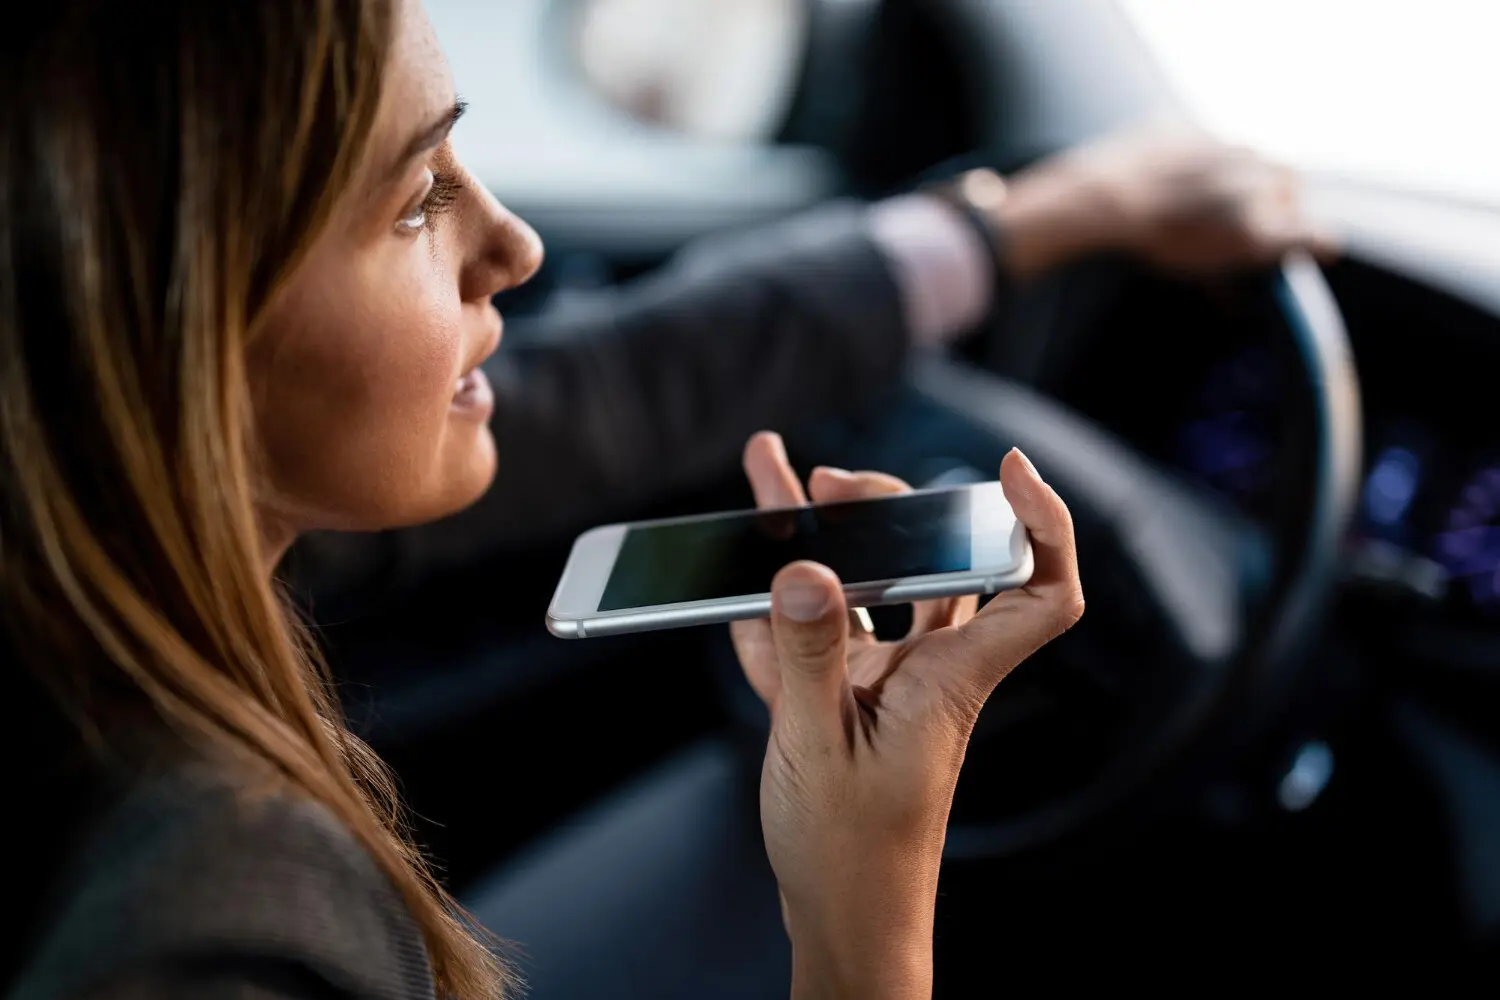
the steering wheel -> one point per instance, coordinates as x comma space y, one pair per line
1197, 613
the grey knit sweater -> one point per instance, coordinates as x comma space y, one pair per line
185, 889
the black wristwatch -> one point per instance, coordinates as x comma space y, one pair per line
975, 194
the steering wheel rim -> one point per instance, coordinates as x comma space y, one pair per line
1195, 559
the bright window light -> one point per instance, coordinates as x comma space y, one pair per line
1398, 92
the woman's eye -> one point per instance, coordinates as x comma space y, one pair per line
442, 189
416, 218
414, 221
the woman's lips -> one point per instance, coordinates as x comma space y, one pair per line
473, 395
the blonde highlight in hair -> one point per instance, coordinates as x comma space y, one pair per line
154, 195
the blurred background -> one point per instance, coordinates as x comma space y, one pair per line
1326, 786
1370, 90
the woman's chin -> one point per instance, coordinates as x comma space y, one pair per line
461, 475
466, 475
476, 473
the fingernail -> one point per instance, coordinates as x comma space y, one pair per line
1026, 462
802, 602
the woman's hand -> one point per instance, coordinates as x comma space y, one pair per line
867, 737
1173, 196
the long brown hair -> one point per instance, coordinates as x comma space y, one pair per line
163, 168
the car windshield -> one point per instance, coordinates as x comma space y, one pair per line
1399, 92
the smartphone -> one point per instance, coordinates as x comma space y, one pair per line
718, 567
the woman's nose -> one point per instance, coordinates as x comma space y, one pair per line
503, 250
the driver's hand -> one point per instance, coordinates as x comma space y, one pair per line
867, 737
1171, 195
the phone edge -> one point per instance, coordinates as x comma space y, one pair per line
759, 606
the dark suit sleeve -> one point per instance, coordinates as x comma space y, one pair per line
657, 386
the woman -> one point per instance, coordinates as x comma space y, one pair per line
244, 293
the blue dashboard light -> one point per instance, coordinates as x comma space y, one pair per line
1392, 486
1468, 546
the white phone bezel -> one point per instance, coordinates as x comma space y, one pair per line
587, 574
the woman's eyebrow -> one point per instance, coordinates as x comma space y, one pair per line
429, 137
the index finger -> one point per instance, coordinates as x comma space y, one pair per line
772, 479
1048, 523
1019, 622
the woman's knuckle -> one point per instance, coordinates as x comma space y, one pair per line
1071, 610
1065, 611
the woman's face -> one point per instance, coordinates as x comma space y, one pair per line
370, 407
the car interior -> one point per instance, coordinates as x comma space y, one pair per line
1272, 739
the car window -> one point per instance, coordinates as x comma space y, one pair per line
712, 69
1400, 92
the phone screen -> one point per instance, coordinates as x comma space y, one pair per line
738, 554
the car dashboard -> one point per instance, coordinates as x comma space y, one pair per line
1192, 379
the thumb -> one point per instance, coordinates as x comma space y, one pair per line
810, 625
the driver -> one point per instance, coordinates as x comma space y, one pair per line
245, 290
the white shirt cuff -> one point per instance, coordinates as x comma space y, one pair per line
941, 265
